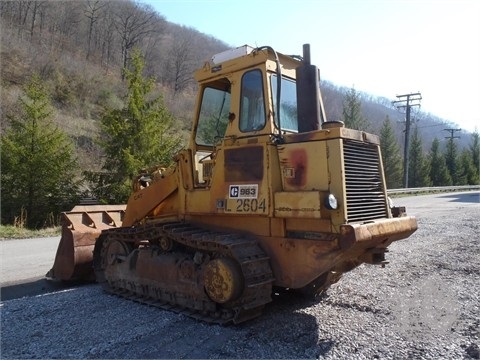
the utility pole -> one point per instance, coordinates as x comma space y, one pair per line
406, 102
452, 131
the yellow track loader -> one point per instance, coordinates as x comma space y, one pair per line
268, 194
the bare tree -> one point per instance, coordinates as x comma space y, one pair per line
26, 15
35, 8
71, 19
106, 37
23, 10
133, 23
62, 21
8, 9
92, 12
180, 59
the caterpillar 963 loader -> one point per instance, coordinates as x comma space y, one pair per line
267, 195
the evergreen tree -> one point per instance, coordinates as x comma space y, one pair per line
418, 169
352, 111
451, 159
38, 166
439, 174
475, 151
392, 160
139, 135
467, 172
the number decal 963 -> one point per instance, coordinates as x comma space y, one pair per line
243, 198
243, 191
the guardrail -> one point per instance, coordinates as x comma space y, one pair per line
433, 189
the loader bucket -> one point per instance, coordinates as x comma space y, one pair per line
80, 229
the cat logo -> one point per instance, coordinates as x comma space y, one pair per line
243, 191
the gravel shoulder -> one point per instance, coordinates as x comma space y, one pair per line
424, 304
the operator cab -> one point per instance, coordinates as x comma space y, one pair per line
238, 99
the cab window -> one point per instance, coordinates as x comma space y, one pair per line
213, 117
252, 104
288, 103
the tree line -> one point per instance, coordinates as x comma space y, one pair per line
437, 167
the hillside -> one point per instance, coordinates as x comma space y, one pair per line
80, 47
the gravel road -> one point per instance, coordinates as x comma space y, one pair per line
424, 304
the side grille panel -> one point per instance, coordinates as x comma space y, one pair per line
363, 180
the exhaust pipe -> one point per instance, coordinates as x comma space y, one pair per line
309, 105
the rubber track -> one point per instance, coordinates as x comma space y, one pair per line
246, 251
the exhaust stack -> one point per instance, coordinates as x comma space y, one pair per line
309, 107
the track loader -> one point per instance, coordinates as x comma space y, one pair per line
268, 194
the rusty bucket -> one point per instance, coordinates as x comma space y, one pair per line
80, 229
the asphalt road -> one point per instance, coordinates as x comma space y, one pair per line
24, 265
26, 259
439, 204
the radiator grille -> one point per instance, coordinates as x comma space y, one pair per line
363, 180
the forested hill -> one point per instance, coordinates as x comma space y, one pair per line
80, 47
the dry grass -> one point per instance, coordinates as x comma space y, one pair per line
15, 232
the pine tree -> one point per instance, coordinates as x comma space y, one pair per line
475, 151
38, 165
140, 135
467, 172
439, 174
451, 159
418, 169
392, 160
352, 111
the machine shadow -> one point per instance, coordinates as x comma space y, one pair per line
283, 324
36, 287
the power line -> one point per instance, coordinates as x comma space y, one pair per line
429, 126
406, 102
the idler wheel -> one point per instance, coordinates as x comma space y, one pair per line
117, 251
166, 244
223, 280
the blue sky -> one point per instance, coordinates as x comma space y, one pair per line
385, 48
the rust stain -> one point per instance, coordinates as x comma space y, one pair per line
298, 159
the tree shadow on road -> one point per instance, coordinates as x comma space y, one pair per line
473, 197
